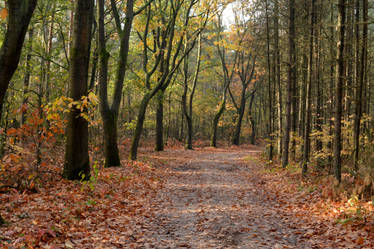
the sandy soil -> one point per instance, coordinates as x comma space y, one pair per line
213, 199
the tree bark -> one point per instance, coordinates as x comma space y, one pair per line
331, 87
252, 120
311, 76
139, 126
340, 75
160, 121
290, 81
77, 164
278, 75
109, 117
270, 104
188, 110
217, 116
26, 81
109, 113
19, 15
236, 137
360, 79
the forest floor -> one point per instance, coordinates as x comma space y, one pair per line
205, 198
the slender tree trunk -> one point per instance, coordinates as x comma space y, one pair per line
108, 116
290, 82
278, 75
26, 81
331, 87
319, 115
139, 126
49, 53
188, 113
308, 110
360, 78
349, 88
160, 122
252, 120
236, 137
270, 104
77, 163
93, 70
302, 103
110, 113
217, 116
339, 89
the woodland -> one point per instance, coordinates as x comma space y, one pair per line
186, 124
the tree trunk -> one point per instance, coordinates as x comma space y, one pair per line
19, 15
340, 75
290, 82
252, 120
139, 126
308, 110
2, 221
331, 87
278, 74
77, 163
160, 122
236, 137
189, 112
108, 116
360, 80
49, 53
217, 116
319, 115
270, 104
26, 81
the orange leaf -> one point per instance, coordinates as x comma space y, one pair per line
3, 13
360, 241
11, 131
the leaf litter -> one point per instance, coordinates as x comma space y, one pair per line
206, 198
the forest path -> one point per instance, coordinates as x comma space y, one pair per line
213, 199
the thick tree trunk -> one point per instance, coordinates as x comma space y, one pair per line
19, 15
340, 75
77, 163
111, 151
290, 82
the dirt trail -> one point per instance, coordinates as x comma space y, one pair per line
212, 199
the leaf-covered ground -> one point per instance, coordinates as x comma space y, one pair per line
206, 198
